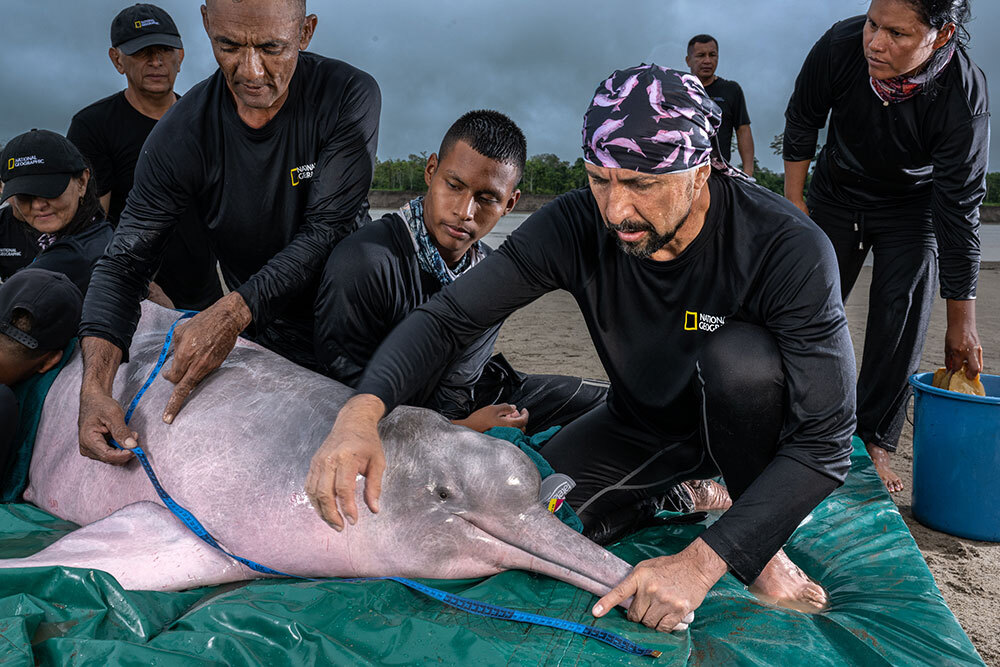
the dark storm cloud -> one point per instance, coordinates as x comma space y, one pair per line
539, 62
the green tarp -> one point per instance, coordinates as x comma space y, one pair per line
885, 609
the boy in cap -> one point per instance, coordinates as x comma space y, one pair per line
39, 315
146, 47
715, 308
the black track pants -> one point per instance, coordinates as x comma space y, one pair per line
555, 400
551, 400
617, 466
904, 281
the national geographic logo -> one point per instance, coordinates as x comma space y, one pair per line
701, 322
146, 23
25, 161
302, 173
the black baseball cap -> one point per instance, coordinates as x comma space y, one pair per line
54, 302
38, 163
143, 25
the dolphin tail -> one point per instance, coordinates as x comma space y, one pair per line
144, 547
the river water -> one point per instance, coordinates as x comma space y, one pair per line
989, 235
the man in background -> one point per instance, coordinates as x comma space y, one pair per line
146, 47
275, 152
703, 59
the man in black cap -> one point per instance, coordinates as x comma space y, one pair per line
275, 153
147, 49
39, 314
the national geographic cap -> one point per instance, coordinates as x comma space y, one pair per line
38, 163
143, 25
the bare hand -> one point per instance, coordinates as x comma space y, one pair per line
501, 414
201, 345
101, 416
665, 591
353, 448
961, 340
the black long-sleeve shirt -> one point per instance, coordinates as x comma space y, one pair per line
77, 254
757, 259
74, 255
926, 155
371, 282
274, 200
18, 243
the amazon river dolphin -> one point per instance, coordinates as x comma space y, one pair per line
455, 503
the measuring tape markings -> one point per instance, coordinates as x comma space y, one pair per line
465, 604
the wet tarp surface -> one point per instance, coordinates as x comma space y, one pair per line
885, 609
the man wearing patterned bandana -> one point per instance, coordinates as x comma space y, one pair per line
715, 308
381, 273
902, 175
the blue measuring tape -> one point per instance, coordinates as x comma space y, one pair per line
465, 604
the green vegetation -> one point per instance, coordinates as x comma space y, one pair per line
400, 174
993, 188
546, 174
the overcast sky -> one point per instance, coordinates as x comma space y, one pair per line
539, 61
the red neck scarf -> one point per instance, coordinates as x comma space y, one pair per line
901, 88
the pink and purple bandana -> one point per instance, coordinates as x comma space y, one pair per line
651, 119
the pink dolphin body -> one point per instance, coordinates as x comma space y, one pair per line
455, 503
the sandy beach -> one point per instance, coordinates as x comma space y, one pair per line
549, 336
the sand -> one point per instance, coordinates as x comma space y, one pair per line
549, 336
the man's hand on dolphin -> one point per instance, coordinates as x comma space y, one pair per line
353, 448
102, 416
665, 591
201, 345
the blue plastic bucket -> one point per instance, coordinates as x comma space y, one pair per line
956, 459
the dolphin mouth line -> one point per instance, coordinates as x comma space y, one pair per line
607, 586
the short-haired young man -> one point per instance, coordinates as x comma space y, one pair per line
39, 315
387, 269
702, 59
145, 47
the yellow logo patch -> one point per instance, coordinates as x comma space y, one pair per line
10, 163
302, 172
701, 322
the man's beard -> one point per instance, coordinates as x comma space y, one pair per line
651, 243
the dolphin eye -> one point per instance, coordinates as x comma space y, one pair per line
442, 493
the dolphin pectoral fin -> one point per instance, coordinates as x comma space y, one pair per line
144, 547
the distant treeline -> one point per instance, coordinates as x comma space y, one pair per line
546, 174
